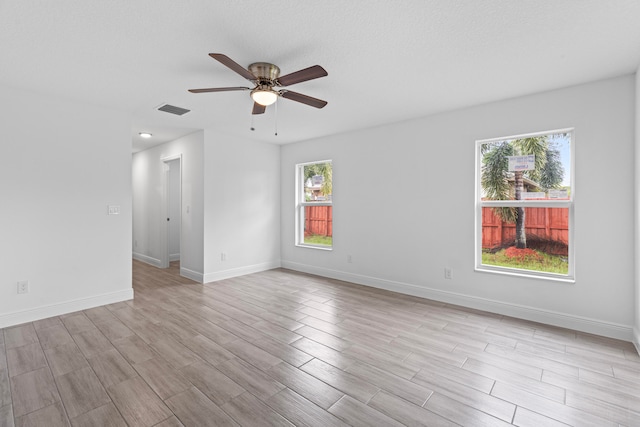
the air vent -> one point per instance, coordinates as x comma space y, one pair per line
173, 109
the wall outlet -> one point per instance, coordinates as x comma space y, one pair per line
448, 273
23, 287
349, 259
223, 256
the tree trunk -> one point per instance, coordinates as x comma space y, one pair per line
521, 237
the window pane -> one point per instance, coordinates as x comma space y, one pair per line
527, 168
318, 185
545, 247
318, 225
314, 219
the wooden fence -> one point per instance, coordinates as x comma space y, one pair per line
543, 223
318, 220
550, 224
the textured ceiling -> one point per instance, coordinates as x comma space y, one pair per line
387, 60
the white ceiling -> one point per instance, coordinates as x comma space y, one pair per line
387, 60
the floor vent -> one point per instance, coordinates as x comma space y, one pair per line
173, 109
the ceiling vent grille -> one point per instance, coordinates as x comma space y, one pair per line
173, 109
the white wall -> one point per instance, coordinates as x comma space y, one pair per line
148, 212
636, 331
65, 162
242, 206
404, 207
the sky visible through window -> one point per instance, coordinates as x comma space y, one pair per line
562, 142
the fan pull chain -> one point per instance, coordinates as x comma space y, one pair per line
276, 118
252, 128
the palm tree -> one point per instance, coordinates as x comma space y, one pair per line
548, 172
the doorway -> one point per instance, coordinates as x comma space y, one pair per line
172, 208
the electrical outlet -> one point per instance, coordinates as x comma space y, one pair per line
23, 287
223, 256
448, 273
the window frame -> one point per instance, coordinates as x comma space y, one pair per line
570, 204
301, 204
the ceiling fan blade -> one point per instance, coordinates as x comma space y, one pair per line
225, 60
258, 109
310, 73
217, 89
305, 99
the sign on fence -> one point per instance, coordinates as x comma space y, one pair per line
522, 163
558, 194
532, 195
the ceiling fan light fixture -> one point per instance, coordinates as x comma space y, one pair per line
264, 95
145, 135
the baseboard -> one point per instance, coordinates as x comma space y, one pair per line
636, 339
147, 259
579, 323
193, 275
241, 271
58, 309
174, 257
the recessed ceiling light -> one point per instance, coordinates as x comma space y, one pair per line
145, 135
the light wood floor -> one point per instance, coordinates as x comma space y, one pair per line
283, 348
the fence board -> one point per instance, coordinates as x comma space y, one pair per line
318, 220
545, 223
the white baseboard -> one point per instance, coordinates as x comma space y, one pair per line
174, 257
193, 275
579, 323
147, 259
636, 339
240, 271
17, 318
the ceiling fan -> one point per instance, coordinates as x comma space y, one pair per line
266, 77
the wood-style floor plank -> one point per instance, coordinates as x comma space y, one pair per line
301, 411
81, 391
25, 359
248, 410
305, 385
102, 416
50, 416
163, 379
6, 416
111, 368
358, 414
193, 408
214, 384
5, 388
341, 380
32, 391
18, 336
407, 413
137, 403
286, 348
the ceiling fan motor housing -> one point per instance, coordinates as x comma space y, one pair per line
265, 72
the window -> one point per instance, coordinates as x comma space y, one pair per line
524, 205
314, 205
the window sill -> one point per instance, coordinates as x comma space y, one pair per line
322, 248
525, 274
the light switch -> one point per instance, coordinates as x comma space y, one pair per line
114, 210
